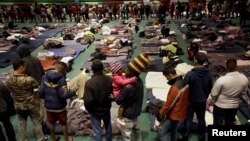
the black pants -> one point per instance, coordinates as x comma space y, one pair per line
5, 119
199, 109
224, 116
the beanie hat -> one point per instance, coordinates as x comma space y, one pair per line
139, 63
115, 66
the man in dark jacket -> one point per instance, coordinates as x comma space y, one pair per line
98, 102
33, 64
199, 80
131, 97
7, 109
54, 90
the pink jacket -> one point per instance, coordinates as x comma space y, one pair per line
119, 82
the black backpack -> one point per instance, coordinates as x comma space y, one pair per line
142, 34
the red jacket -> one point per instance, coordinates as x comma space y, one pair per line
179, 110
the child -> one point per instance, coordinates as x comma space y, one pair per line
119, 81
54, 91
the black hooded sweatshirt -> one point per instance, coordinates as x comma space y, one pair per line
200, 84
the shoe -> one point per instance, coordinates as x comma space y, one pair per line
120, 121
182, 139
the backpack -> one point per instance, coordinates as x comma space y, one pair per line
142, 34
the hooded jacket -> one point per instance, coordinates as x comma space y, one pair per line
54, 91
199, 80
34, 66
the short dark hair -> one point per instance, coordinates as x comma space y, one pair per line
62, 64
169, 70
231, 64
98, 49
18, 63
170, 64
201, 58
97, 66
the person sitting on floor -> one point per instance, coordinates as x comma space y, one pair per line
98, 55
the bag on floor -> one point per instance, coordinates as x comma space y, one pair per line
58, 128
142, 34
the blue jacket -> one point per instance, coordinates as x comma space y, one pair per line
54, 91
200, 84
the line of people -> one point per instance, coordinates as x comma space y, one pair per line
189, 95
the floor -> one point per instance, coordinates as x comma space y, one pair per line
147, 135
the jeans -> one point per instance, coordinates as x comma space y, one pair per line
126, 130
224, 116
96, 125
169, 125
199, 108
34, 114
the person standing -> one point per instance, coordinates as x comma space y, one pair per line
226, 94
199, 80
131, 97
26, 101
243, 13
33, 64
97, 101
34, 69
175, 107
115, 9
7, 109
119, 81
54, 91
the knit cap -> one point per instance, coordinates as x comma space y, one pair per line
115, 66
139, 63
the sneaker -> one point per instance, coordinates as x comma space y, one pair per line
46, 138
121, 121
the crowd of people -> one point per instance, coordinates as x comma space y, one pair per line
60, 12
187, 95
76, 11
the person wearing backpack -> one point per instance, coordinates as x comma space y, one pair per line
7, 110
